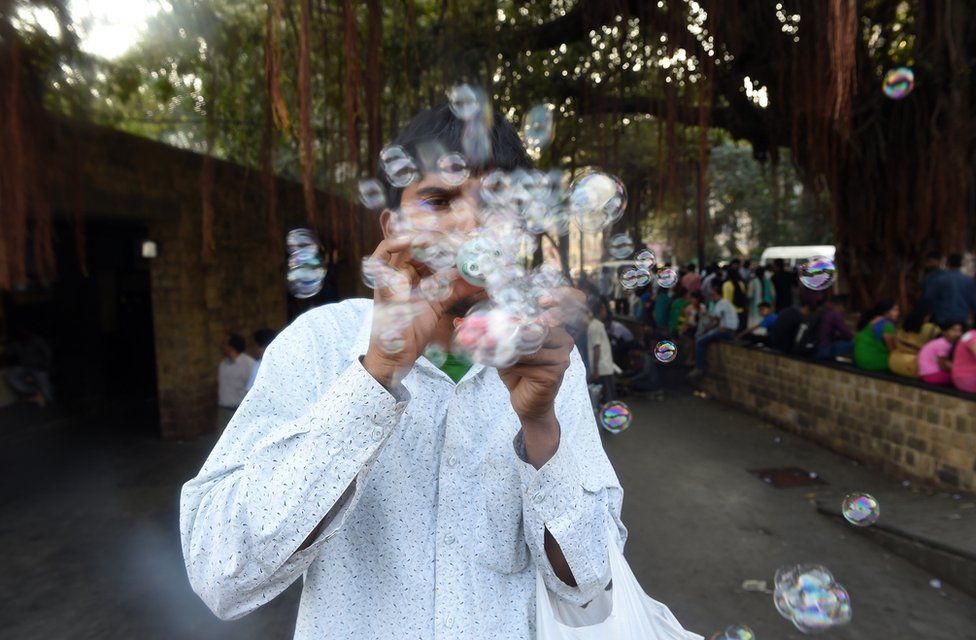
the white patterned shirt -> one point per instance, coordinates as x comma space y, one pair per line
443, 533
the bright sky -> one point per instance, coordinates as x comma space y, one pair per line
107, 28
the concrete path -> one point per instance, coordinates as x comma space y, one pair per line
89, 532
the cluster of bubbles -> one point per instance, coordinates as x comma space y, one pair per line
306, 271
511, 209
818, 273
898, 82
640, 274
861, 509
810, 598
615, 416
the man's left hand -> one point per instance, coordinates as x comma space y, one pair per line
534, 380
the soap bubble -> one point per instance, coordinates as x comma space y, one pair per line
667, 278
898, 82
371, 194
861, 509
645, 259
635, 278
436, 288
818, 273
466, 101
487, 334
436, 354
810, 598
475, 258
620, 246
537, 127
615, 416
665, 351
306, 271
453, 169
399, 167
391, 340
735, 632
597, 200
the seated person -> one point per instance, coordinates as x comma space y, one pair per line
964, 362
935, 357
875, 338
758, 332
676, 313
783, 331
643, 374
722, 324
916, 330
836, 340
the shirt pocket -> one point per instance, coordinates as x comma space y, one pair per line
501, 538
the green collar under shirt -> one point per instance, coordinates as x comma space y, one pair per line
455, 367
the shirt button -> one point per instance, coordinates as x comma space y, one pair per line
539, 497
452, 461
449, 539
377, 434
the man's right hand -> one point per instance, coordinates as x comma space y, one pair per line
388, 365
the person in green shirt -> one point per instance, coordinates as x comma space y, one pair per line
676, 314
875, 338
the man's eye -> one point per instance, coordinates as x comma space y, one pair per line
437, 202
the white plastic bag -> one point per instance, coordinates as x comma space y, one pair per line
624, 612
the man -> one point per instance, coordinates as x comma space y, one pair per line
783, 283
691, 281
723, 322
835, 339
233, 374
931, 270
783, 333
745, 271
411, 505
262, 338
952, 293
601, 351
758, 332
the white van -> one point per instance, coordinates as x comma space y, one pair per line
793, 255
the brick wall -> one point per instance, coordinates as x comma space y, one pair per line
906, 430
241, 289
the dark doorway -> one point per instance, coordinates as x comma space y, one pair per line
99, 326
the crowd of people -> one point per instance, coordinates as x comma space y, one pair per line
935, 342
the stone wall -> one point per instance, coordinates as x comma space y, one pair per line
241, 288
900, 426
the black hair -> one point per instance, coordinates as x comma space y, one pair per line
760, 271
691, 266
916, 317
716, 286
779, 263
440, 128
236, 341
954, 261
698, 294
263, 337
934, 255
765, 304
883, 307
948, 324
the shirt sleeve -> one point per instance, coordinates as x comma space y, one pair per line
574, 495
294, 446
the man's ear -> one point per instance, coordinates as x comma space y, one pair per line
385, 218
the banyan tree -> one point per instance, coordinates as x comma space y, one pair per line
800, 80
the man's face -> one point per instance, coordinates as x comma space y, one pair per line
433, 205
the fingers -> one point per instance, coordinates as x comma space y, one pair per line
389, 247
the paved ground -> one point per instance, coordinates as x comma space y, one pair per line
89, 531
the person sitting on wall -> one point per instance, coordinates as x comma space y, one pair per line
875, 338
785, 329
915, 332
835, 338
759, 332
721, 325
964, 362
935, 357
